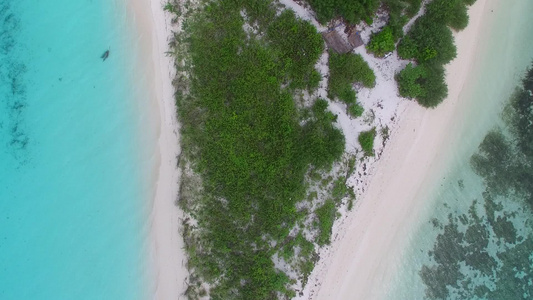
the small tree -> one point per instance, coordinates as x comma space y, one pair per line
435, 88
382, 42
409, 80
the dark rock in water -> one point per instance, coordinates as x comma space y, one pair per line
105, 55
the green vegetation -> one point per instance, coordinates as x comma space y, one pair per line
345, 70
307, 257
400, 11
298, 50
413, 6
250, 145
425, 82
409, 81
170, 8
355, 110
382, 42
363, 10
350, 166
430, 43
314, 80
366, 139
326, 217
352, 11
244, 136
322, 142
351, 199
340, 190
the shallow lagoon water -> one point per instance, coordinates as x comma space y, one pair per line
75, 171
473, 241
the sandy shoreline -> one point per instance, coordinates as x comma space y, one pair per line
167, 257
368, 243
168, 244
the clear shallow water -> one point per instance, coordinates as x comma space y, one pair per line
74, 174
475, 239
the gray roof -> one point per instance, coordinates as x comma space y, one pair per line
355, 39
336, 42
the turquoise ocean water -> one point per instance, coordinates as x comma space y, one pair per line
475, 239
74, 169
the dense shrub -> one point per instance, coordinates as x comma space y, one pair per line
326, 218
449, 12
352, 11
299, 47
399, 13
382, 42
430, 42
426, 83
410, 81
366, 140
435, 89
345, 70
430, 38
323, 142
250, 146
355, 110
314, 80
413, 7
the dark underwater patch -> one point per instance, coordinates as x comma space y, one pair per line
495, 246
14, 137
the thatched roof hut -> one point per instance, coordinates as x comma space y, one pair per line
336, 42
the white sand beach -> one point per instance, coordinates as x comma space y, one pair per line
166, 246
368, 242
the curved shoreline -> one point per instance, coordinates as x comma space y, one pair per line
368, 240
368, 247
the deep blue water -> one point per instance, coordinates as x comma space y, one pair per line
74, 177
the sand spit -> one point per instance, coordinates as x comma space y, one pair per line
367, 242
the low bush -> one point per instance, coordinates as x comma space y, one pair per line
382, 42
355, 110
340, 190
344, 71
352, 11
314, 80
366, 140
431, 44
326, 217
